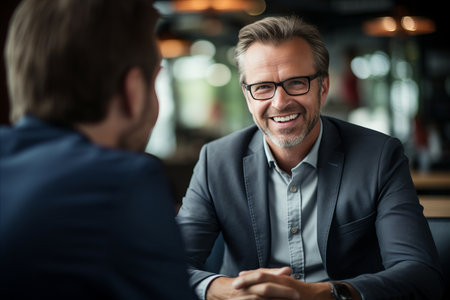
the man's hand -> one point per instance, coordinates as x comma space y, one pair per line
266, 284
223, 287
276, 283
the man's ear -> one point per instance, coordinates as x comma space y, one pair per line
133, 92
324, 89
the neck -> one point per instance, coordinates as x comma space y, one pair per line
99, 134
106, 132
289, 157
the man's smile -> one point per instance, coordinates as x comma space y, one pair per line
283, 119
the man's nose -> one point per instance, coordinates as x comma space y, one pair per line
280, 99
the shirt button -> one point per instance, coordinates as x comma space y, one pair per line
294, 230
297, 276
293, 189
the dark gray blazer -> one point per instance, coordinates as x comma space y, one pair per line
371, 229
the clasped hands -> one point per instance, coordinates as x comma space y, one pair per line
267, 284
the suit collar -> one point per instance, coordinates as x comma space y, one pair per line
255, 144
255, 178
31, 122
330, 166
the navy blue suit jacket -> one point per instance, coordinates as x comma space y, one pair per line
371, 229
78, 221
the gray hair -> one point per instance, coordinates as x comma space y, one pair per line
279, 29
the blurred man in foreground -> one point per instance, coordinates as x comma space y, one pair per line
85, 214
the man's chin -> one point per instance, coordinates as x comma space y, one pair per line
286, 141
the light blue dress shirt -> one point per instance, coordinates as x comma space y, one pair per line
293, 219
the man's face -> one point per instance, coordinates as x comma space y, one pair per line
136, 138
285, 120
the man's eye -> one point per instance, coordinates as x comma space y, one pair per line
262, 87
297, 83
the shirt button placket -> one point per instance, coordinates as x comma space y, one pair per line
293, 189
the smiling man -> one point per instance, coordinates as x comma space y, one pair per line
309, 206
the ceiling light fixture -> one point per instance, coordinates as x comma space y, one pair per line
171, 48
398, 25
252, 7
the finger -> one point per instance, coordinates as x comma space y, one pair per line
251, 277
273, 290
245, 272
247, 297
276, 271
257, 277
283, 271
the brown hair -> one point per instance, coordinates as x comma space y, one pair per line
66, 58
279, 29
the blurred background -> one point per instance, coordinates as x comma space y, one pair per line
389, 70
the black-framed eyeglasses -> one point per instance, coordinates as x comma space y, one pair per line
294, 86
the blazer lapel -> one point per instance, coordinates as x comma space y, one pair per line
330, 165
255, 177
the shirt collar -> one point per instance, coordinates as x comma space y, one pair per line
311, 158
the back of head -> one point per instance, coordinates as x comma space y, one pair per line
275, 30
65, 59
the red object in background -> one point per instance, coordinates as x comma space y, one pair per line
420, 134
349, 84
350, 89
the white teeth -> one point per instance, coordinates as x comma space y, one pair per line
286, 118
